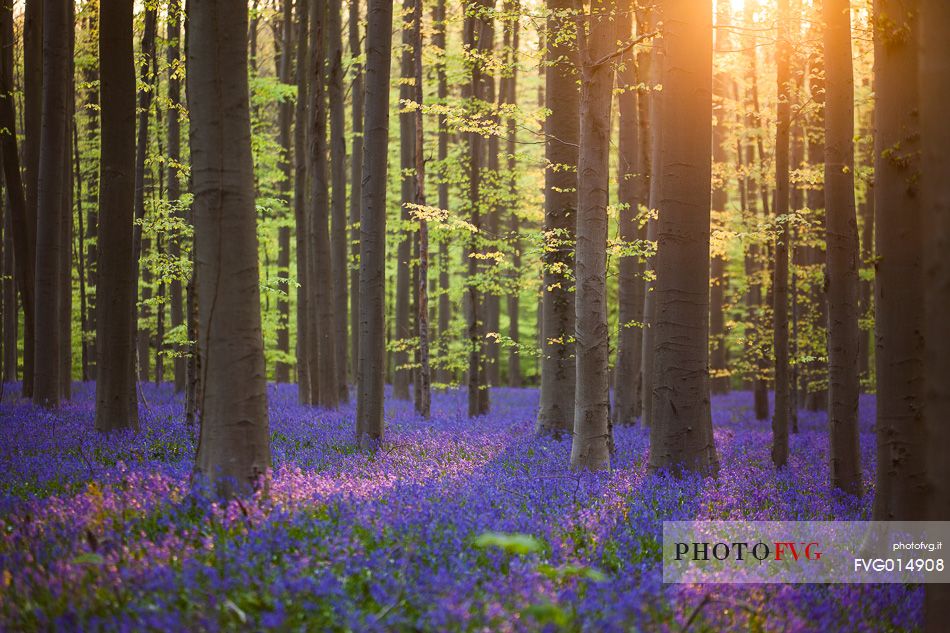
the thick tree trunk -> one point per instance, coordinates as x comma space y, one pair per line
562, 132
304, 322
284, 119
19, 257
681, 437
66, 227
50, 251
630, 288
116, 404
338, 246
780, 282
372, 357
320, 274
841, 249
234, 445
590, 449
934, 89
356, 182
900, 492
32, 123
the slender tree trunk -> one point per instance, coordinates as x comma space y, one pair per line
356, 181
841, 249
66, 227
562, 132
116, 405
681, 437
321, 270
372, 356
630, 288
445, 309
900, 492
141, 245
173, 132
596, 35
719, 379
338, 246
284, 118
90, 75
780, 283
304, 322
491, 301
423, 376
510, 96
80, 254
50, 250
19, 257
32, 123
403, 249
10, 309
934, 87
234, 445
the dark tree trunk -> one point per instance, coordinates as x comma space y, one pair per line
841, 254
630, 288
304, 322
596, 34
356, 182
934, 90
173, 132
491, 301
338, 246
66, 227
10, 308
562, 132
234, 445
900, 492
32, 123
284, 119
20, 235
423, 375
445, 309
50, 250
372, 356
780, 283
116, 406
403, 250
681, 437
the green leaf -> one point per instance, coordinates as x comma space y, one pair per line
88, 558
511, 543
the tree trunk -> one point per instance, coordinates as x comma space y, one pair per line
934, 89
372, 356
173, 132
304, 322
509, 95
403, 249
50, 250
234, 445
445, 309
338, 246
562, 132
596, 35
630, 288
10, 310
32, 123
490, 194
66, 226
356, 182
719, 371
21, 232
423, 376
841, 255
900, 492
780, 283
284, 119
681, 437
116, 404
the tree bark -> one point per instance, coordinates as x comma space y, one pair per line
10, 309
841, 255
509, 95
445, 309
630, 288
900, 492
372, 357
338, 246
32, 123
681, 437
356, 182
304, 322
719, 370
234, 444
423, 376
284, 119
173, 135
116, 405
50, 251
562, 132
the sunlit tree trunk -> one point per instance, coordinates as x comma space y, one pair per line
509, 95
681, 436
561, 134
234, 442
719, 381
900, 491
372, 356
841, 254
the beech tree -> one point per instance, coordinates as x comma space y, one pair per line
841, 233
407, 137
681, 436
338, 246
356, 179
234, 441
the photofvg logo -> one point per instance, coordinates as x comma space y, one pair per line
804, 551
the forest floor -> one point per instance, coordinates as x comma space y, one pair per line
105, 533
